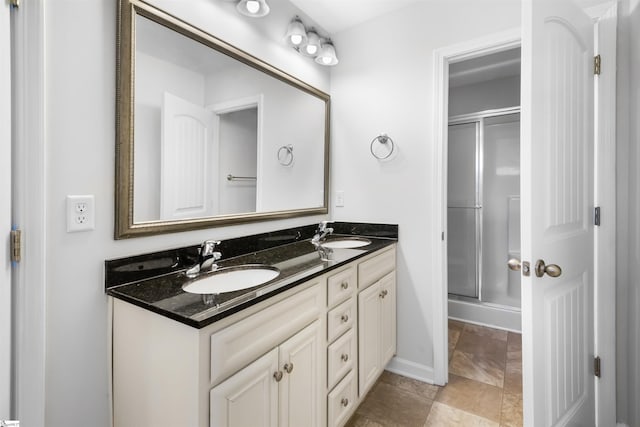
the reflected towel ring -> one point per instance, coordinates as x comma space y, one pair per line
284, 152
385, 141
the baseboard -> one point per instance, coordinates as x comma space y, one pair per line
621, 425
410, 369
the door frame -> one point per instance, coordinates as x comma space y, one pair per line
442, 58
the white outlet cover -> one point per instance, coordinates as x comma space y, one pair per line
80, 213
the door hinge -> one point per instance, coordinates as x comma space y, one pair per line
596, 65
596, 216
14, 3
442, 236
596, 366
16, 246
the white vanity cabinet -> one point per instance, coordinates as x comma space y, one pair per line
305, 357
376, 317
281, 388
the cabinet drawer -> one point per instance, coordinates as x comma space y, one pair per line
341, 401
340, 286
243, 342
373, 269
340, 358
341, 319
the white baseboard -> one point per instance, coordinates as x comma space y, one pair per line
410, 369
621, 425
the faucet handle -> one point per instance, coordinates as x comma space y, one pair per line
208, 247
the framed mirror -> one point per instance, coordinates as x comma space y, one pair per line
208, 135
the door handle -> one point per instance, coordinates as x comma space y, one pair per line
552, 270
515, 265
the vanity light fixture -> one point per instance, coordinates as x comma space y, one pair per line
296, 34
309, 43
253, 8
327, 55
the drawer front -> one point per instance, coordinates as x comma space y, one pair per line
342, 400
340, 357
243, 342
375, 268
341, 319
340, 286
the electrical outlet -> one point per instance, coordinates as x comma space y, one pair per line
80, 213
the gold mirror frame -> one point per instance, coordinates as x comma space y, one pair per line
125, 227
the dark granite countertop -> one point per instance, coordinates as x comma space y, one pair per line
298, 262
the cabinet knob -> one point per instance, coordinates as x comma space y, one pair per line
344, 357
344, 402
288, 367
344, 318
383, 293
344, 285
277, 376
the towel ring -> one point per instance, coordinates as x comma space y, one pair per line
288, 151
383, 140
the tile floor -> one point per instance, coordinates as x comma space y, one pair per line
484, 389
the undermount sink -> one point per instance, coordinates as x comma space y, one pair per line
346, 243
231, 279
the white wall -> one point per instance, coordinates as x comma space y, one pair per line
498, 93
384, 83
628, 221
80, 140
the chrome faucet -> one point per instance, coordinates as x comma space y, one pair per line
206, 258
321, 233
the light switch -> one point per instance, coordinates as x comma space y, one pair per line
340, 198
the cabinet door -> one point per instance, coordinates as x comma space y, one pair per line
301, 401
369, 323
248, 398
388, 318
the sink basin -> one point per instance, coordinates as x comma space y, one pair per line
346, 243
232, 279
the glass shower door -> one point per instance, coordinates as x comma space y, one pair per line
464, 210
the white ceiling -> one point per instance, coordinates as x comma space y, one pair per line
338, 15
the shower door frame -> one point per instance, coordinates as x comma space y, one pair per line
478, 118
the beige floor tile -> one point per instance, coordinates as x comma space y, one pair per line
358, 420
476, 344
454, 336
419, 388
514, 342
511, 410
391, 406
442, 415
456, 324
514, 355
480, 367
472, 396
483, 331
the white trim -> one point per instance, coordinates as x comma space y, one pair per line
441, 59
605, 234
410, 369
29, 210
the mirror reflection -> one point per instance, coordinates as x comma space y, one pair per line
218, 137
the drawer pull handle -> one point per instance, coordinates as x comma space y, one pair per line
288, 367
344, 402
383, 293
344, 357
344, 318
344, 285
277, 376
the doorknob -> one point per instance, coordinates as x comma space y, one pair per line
552, 270
515, 265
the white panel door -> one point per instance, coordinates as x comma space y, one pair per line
188, 177
248, 398
557, 204
301, 400
5, 211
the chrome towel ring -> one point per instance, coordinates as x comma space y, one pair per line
285, 155
382, 146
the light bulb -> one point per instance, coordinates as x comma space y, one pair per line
312, 49
253, 6
296, 39
326, 60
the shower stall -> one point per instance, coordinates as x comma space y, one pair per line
483, 217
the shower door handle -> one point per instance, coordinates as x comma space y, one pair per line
515, 265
